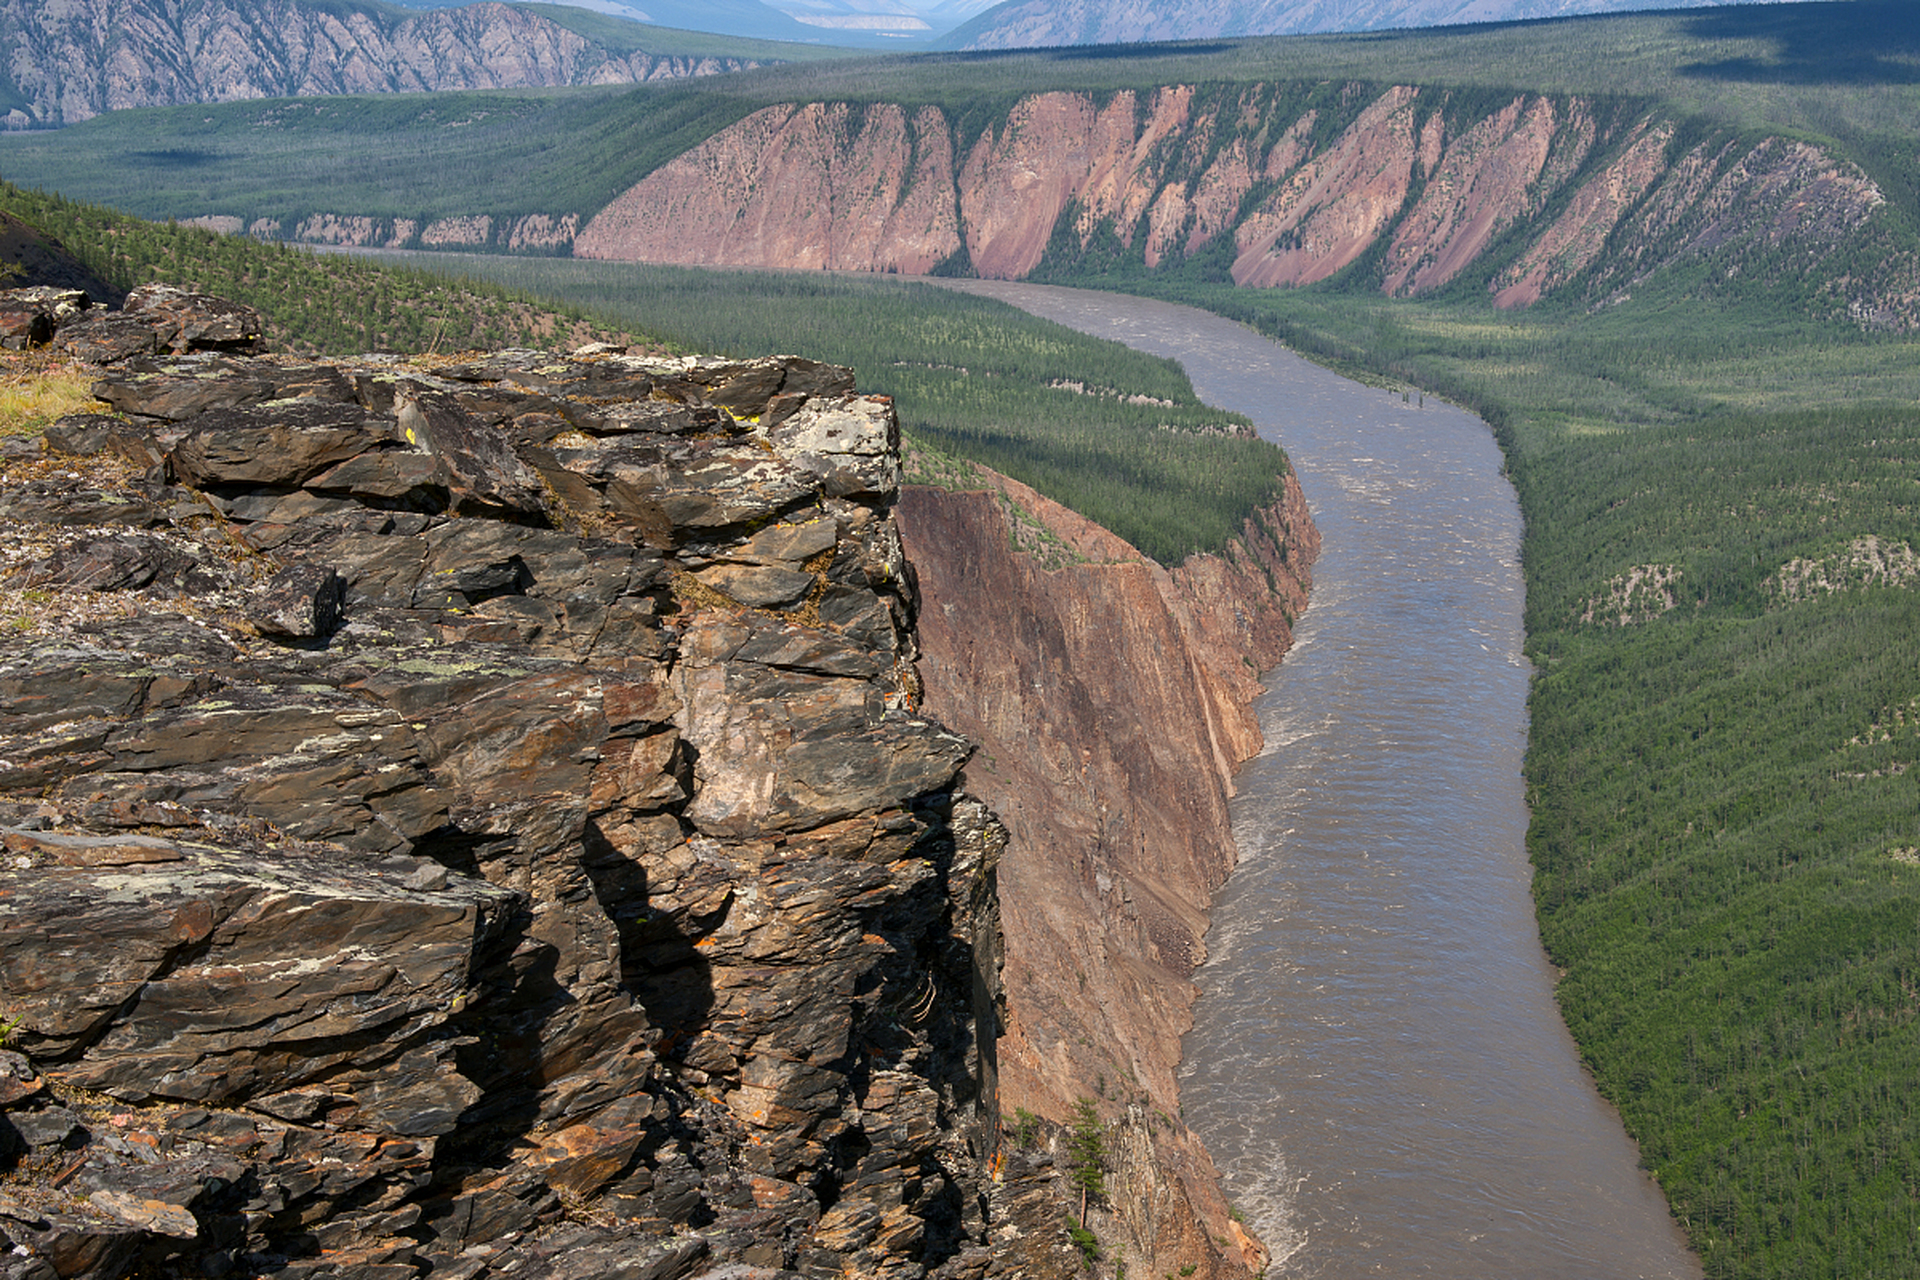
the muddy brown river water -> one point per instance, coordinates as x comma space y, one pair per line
1377, 1062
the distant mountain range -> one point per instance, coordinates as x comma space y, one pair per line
1020, 24
862, 23
69, 60
72, 60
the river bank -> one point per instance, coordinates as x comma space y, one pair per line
1377, 1063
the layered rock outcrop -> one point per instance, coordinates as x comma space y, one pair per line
1536, 196
477, 819
1111, 699
71, 62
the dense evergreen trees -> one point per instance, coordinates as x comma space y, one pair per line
314, 303
1727, 823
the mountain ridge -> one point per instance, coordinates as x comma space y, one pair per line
97, 56
1020, 24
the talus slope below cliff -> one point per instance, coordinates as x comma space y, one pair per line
1110, 699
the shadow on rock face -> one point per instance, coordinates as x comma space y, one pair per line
660, 965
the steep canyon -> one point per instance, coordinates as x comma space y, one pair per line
495, 815
1111, 701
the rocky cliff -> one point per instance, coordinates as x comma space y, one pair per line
1518, 197
476, 817
70, 62
1111, 701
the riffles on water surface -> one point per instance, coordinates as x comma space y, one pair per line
1377, 1062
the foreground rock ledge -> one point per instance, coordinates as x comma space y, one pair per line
474, 820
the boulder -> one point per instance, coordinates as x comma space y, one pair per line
186, 321
108, 339
29, 317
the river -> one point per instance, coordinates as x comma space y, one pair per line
1377, 1062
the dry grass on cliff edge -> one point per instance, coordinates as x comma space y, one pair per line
36, 389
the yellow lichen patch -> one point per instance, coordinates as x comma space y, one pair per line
692, 594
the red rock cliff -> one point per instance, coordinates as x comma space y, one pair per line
1111, 701
1398, 183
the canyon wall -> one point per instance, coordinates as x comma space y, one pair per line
1525, 196
1110, 700
70, 62
474, 818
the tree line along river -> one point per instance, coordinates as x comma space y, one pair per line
1377, 1062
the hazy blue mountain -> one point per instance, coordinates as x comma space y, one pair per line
1020, 24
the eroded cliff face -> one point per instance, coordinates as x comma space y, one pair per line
1111, 700
817, 186
1532, 197
1488, 177
475, 818
75, 60
1576, 238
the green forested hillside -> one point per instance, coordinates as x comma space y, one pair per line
1726, 821
1720, 497
312, 304
421, 156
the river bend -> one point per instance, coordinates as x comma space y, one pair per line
1376, 1062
